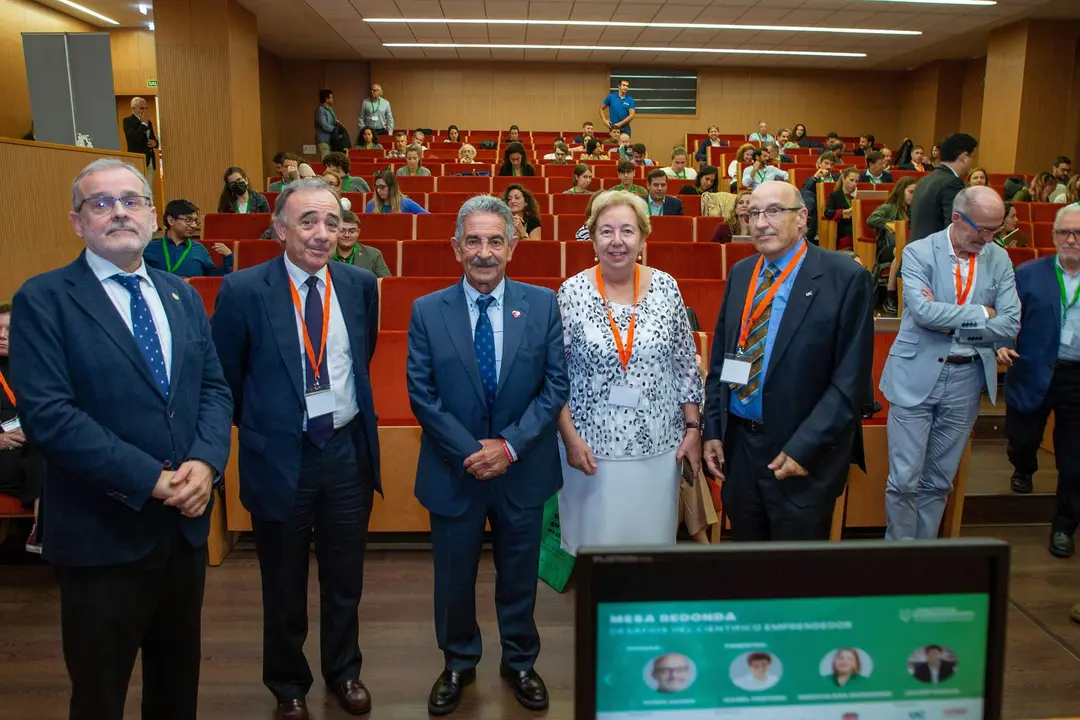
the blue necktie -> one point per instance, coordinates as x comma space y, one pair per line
319, 429
146, 337
484, 345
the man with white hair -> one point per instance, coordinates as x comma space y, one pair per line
376, 113
139, 132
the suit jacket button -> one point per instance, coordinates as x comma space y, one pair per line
941, 359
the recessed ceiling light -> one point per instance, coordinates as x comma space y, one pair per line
144, 9
942, 2
88, 11
150, 25
616, 48
605, 23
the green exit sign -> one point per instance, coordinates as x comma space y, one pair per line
151, 83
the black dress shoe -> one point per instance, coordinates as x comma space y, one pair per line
529, 688
445, 694
291, 710
1062, 544
1021, 483
353, 696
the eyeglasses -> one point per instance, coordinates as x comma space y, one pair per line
188, 220
381, 187
473, 243
985, 232
770, 213
348, 232
1067, 234
104, 204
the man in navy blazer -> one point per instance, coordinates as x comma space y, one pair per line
487, 379
296, 336
119, 385
1044, 375
660, 203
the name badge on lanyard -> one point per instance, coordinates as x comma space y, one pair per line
621, 394
11, 425
318, 398
734, 370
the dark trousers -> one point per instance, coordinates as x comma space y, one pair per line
333, 502
456, 545
1024, 431
755, 501
108, 614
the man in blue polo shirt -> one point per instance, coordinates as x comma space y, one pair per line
177, 253
618, 108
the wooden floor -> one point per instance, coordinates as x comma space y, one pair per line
401, 659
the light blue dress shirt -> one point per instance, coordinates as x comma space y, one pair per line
753, 409
495, 315
1071, 319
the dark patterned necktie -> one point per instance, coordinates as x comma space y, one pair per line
145, 332
754, 352
484, 345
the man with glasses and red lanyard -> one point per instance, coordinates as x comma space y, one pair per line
1044, 375
790, 373
959, 301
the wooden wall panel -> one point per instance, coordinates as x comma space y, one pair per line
244, 105
17, 17
972, 102
37, 232
1005, 58
950, 99
1049, 68
271, 102
133, 61
918, 105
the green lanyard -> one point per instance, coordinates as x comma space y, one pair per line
847, 199
658, 212
173, 268
1066, 305
516, 171
761, 174
351, 259
681, 176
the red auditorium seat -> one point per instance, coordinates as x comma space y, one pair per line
568, 225
441, 202
579, 256
1044, 212
389, 250
868, 207
672, 228
534, 183
569, 204
465, 168
1020, 255
1023, 211
733, 253
537, 260
435, 226
882, 343
705, 297
607, 171
357, 199
429, 258
207, 287
271, 199
11, 507
1042, 233
691, 205
357, 155
250, 253
393, 226
231, 226
558, 171
411, 184
466, 184
388, 388
687, 260
705, 227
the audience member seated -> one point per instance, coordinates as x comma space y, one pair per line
702, 154
516, 162
22, 467
783, 140
388, 197
762, 135
893, 209
737, 222
412, 166
625, 151
401, 145
1010, 235
277, 160
759, 172
831, 141
935, 155
453, 135
627, 170
238, 197
290, 170
918, 161
773, 154
418, 140
306, 171
561, 156
823, 173
744, 155
613, 137
977, 177
351, 252
659, 202
593, 150
1062, 168
1042, 187
583, 231
368, 140
887, 154
333, 179
708, 180
838, 206
513, 136
640, 156
678, 169
866, 145
586, 133
583, 176
339, 161
177, 253
466, 155
800, 137
525, 209
876, 173
555, 149
1072, 190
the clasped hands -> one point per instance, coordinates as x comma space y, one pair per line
187, 488
489, 462
783, 465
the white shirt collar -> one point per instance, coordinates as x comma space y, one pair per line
104, 269
471, 293
298, 276
952, 250
950, 169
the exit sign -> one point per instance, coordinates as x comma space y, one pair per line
151, 83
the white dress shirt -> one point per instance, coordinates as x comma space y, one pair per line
339, 362
121, 299
495, 315
959, 348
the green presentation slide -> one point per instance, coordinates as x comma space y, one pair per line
910, 657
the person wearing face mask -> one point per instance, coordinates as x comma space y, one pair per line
237, 195
959, 300
177, 253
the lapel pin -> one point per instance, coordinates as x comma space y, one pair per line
175, 296
516, 313
809, 293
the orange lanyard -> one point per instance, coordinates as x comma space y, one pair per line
748, 320
624, 351
962, 293
7, 389
315, 362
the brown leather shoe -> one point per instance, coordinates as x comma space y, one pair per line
292, 710
353, 696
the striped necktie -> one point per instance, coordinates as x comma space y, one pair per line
754, 353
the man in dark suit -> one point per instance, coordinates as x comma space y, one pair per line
296, 335
876, 170
119, 385
934, 670
139, 131
660, 203
1044, 376
918, 161
931, 208
487, 379
790, 372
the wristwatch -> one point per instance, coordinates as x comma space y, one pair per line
693, 425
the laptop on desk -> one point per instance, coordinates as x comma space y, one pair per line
792, 631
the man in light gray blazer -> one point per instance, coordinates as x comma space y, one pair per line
959, 300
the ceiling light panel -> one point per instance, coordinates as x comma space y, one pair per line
591, 48
626, 24
88, 11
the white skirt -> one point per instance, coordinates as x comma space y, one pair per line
632, 501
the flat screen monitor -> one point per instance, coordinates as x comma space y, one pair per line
801, 631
